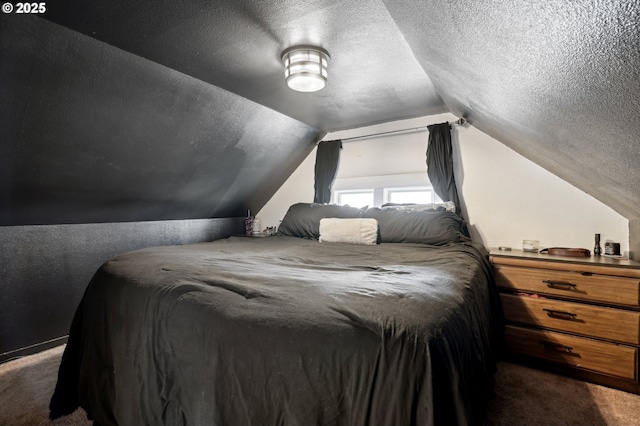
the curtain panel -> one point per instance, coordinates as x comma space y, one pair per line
327, 159
440, 163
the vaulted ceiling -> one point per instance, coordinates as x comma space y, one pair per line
236, 45
556, 81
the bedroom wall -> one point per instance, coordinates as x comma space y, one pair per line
507, 198
46, 269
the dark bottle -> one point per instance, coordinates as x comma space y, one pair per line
597, 250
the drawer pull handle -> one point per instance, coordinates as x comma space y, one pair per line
560, 285
556, 346
560, 314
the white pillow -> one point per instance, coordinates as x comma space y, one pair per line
350, 231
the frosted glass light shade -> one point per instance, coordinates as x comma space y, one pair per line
305, 68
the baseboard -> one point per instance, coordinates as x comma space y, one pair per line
33, 349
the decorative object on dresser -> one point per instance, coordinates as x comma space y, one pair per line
576, 316
597, 250
566, 251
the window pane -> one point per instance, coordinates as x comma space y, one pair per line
414, 196
356, 199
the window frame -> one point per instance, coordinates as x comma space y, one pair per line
382, 185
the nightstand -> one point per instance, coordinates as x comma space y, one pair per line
575, 316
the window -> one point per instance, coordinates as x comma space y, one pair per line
413, 195
374, 191
354, 198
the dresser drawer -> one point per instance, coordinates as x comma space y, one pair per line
574, 285
601, 357
596, 321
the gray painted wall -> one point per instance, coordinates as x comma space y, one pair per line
45, 270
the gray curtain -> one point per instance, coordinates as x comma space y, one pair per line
327, 159
440, 163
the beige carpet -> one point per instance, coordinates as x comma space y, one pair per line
524, 397
26, 385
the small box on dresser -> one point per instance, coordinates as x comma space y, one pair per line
576, 316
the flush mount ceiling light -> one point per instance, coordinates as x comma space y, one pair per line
305, 68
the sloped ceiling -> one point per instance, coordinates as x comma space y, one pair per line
236, 45
556, 81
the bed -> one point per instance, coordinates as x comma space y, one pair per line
293, 329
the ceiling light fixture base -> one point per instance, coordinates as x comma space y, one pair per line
305, 67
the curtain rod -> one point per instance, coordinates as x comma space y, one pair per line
458, 122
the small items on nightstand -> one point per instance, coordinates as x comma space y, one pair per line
271, 230
248, 223
256, 226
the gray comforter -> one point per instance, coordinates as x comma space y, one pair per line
284, 331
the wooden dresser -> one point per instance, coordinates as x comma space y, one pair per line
576, 316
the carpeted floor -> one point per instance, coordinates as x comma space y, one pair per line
524, 397
26, 385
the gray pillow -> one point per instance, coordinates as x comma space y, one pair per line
412, 207
303, 219
424, 227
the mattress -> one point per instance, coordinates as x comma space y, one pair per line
284, 331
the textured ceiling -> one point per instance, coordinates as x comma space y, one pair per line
236, 45
557, 81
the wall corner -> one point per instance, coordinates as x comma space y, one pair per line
634, 239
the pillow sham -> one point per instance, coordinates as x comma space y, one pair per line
350, 231
410, 207
303, 219
424, 227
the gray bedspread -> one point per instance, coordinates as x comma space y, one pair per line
284, 331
